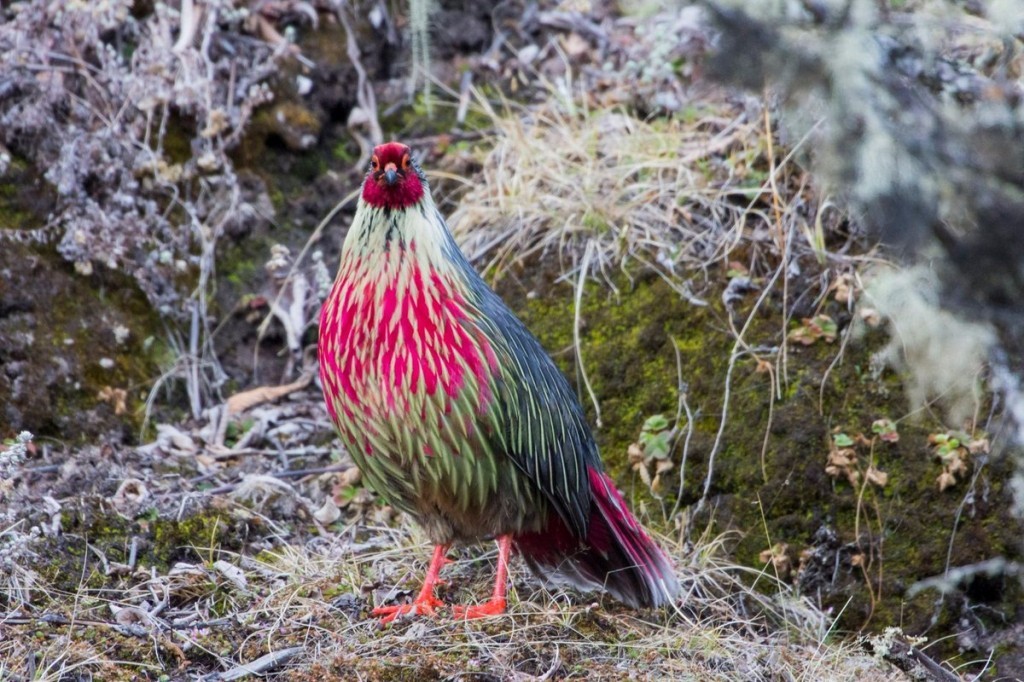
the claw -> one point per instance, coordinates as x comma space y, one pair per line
494, 607
420, 607
425, 603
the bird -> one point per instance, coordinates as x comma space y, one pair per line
455, 414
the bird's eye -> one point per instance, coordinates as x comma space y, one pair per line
374, 163
405, 162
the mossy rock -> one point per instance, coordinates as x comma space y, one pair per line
78, 353
160, 541
770, 481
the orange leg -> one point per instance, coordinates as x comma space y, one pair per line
425, 602
496, 605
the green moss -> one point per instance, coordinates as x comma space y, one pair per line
199, 533
642, 324
84, 319
25, 198
163, 541
345, 152
177, 141
414, 120
786, 496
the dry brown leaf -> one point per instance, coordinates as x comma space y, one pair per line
842, 457
957, 465
844, 288
114, 396
876, 477
978, 446
575, 45
328, 512
350, 476
645, 475
871, 317
240, 402
945, 480
130, 494
778, 556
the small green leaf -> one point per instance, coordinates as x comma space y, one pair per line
827, 326
655, 423
657, 446
842, 440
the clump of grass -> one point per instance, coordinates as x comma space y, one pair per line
667, 191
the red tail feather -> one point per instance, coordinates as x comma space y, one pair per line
616, 555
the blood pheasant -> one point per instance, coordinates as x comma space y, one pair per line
455, 414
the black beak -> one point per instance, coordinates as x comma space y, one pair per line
391, 176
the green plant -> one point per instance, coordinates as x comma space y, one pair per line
953, 450
652, 451
813, 328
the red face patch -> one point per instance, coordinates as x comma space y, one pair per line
393, 181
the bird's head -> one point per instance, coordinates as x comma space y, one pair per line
394, 181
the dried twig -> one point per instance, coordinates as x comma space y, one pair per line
240, 402
262, 664
365, 97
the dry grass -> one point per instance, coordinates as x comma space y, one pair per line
222, 560
231, 609
676, 194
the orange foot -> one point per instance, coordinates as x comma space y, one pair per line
494, 607
422, 606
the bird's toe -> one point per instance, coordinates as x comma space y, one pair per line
421, 607
494, 607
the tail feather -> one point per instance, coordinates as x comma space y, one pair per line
617, 555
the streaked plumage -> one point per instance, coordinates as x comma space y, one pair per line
454, 412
